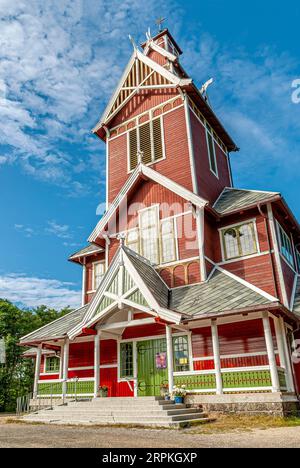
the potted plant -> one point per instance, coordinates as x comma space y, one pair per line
103, 391
164, 390
178, 394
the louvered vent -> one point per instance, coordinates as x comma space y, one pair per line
133, 148
157, 139
145, 142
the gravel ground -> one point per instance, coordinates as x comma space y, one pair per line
20, 435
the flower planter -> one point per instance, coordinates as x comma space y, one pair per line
103, 393
167, 397
178, 400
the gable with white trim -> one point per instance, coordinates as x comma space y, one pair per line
141, 74
143, 172
130, 282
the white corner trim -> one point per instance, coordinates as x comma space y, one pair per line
293, 296
190, 144
277, 255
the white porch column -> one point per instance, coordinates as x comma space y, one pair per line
271, 354
97, 363
65, 366
170, 357
37, 370
287, 352
217, 360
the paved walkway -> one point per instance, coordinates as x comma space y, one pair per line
20, 435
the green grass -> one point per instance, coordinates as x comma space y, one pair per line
232, 423
222, 424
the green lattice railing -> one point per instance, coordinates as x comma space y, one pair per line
246, 379
81, 387
197, 382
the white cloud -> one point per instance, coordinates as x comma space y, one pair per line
32, 292
60, 60
27, 231
62, 231
252, 96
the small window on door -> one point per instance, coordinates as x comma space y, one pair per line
181, 354
126, 360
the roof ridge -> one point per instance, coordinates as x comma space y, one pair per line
147, 262
251, 190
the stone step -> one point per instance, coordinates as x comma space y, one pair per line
132, 402
130, 419
152, 424
139, 423
115, 414
114, 408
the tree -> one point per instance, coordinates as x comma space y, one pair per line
16, 375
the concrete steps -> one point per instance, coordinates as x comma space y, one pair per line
145, 411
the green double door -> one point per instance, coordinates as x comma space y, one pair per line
151, 366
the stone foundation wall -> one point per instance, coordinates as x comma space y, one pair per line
269, 404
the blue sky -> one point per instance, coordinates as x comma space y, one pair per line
60, 61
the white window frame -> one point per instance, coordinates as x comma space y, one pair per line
210, 132
157, 228
137, 126
297, 254
280, 229
45, 365
235, 225
94, 272
159, 223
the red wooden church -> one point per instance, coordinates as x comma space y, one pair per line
186, 279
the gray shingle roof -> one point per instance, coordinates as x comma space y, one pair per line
234, 199
58, 328
150, 277
220, 294
296, 308
88, 250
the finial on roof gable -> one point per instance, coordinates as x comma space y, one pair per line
159, 22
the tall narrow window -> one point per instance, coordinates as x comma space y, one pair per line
154, 239
132, 240
298, 260
181, 354
133, 148
126, 360
239, 241
148, 139
99, 271
149, 234
168, 248
285, 245
211, 151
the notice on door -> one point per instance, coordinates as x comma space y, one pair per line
161, 360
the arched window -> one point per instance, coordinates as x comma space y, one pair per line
239, 241
181, 354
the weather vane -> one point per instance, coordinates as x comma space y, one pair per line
159, 22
